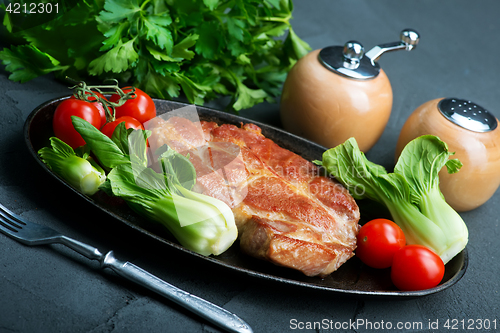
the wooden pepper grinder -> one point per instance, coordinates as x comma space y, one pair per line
339, 92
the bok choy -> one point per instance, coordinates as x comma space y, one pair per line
411, 193
200, 223
82, 173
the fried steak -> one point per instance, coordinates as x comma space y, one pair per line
285, 211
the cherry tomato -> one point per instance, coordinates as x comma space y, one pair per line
130, 122
141, 107
377, 241
62, 125
415, 267
97, 105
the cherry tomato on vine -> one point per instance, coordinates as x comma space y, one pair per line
141, 107
62, 125
97, 105
377, 241
130, 122
415, 267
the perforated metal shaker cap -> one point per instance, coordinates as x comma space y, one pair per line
467, 114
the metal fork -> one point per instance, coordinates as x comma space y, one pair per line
31, 234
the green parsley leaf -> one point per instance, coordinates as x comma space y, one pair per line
194, 91
212, 4
181, 49
247, 97
114, 35
210, 41
275, 3
26, 62
159, 55
116, 60
158, 33
236, 28
117, 10
204, 49
300, 47
7, 21
164, 86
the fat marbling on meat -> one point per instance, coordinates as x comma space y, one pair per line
285, 211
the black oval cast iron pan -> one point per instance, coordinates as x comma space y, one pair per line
353, 278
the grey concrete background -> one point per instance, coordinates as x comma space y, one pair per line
51, 289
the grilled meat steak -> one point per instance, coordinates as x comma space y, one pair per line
286, 212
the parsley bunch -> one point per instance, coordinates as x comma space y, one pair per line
202, 49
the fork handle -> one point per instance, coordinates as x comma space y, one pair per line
82, 248
211, 312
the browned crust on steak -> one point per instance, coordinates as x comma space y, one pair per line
289, 213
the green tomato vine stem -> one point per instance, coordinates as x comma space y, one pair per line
87, 93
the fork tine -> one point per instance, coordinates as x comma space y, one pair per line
10, 213
9, 222
7, 227
24, 231
11, 218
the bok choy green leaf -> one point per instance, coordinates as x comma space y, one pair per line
411, 193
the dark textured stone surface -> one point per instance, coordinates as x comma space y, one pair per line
51, 289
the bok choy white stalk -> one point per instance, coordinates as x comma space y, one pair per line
82, 173
200, 223
411, 193
420, 164
195, 220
